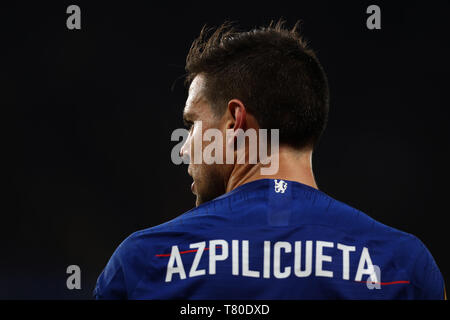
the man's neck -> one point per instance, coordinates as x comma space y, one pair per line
294, 165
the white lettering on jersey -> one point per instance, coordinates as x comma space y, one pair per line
200, 246
213, 257
320, 258
277, 259
278, 266
235, 260
175, 258
266, 272
345, 259
298, 258
365, 259
246, 272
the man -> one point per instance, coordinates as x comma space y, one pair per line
264, 236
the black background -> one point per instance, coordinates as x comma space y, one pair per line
87, 117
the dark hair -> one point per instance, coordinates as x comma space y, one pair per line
272, 71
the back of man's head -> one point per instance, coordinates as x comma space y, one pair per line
272, 71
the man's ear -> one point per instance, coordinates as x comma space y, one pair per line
239, 114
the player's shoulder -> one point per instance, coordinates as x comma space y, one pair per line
164, 232
408, 250
406, 247
359, 223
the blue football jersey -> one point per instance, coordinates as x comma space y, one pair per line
271, 239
